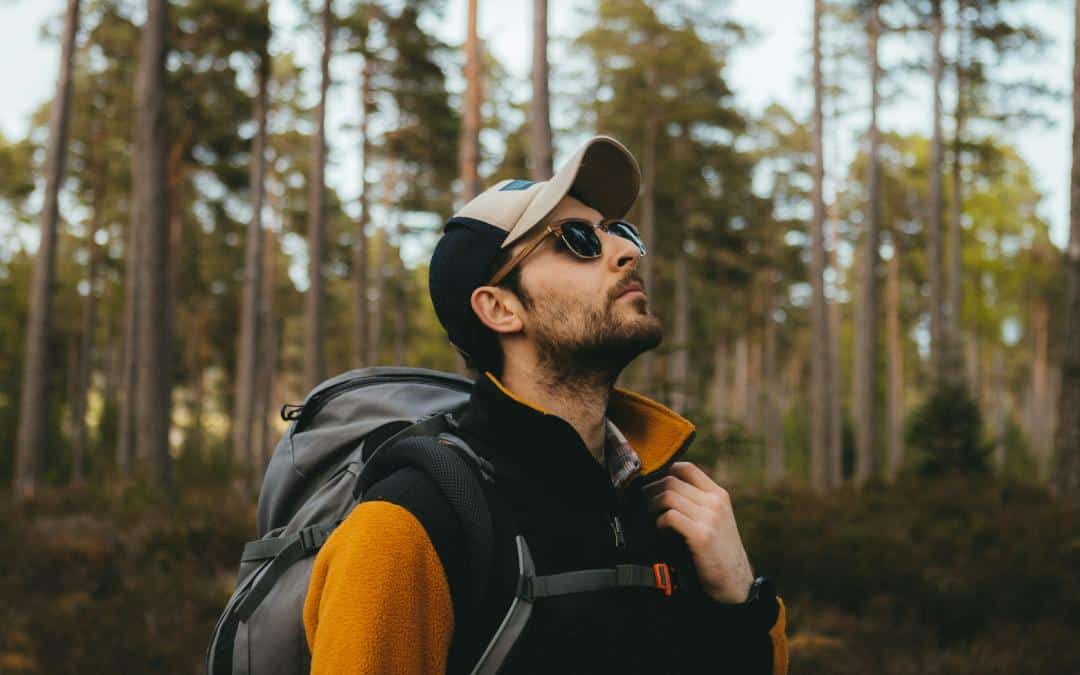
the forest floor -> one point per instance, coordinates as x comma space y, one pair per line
956, 575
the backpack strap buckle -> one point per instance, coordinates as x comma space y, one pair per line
662, 574
312, 538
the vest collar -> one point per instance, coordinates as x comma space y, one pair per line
657, 433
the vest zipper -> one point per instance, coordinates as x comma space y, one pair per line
616, 528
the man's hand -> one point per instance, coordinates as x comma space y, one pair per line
690, 503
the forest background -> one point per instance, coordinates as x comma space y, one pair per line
870, 300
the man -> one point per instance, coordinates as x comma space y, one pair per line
537, 284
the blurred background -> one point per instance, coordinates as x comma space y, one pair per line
858, 216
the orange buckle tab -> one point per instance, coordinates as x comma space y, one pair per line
663, 577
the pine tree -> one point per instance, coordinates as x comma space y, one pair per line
32, 401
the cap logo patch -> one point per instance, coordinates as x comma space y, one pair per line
516, 185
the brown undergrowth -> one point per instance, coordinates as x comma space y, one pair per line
951, 575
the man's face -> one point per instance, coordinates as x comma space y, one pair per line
586, 317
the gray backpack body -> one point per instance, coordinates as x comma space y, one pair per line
351, 431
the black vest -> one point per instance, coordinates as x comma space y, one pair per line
551, 490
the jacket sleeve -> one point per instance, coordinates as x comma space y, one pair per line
379, 600
745, 639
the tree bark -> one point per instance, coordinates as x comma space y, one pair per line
740, 383
821, 390
150, 189
33, 402
934, 261
648, 232
382, 256
315, 308
896, 364
1067, 439
865, 390
540, 157
86, 337
469, 159
769, 402
1038, 399
1000, 411
125, 437
718, 400
375, 313
246, 375
679, 361
360, 249
954, 304
267, 365
836, 408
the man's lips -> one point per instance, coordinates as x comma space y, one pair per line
633, 288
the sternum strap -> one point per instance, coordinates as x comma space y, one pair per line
583, 581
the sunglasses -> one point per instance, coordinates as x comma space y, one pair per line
580, 238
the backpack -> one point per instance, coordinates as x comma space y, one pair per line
351, 431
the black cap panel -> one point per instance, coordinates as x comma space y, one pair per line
460, 264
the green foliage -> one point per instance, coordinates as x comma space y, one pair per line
946, 433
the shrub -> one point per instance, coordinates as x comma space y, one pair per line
945, 432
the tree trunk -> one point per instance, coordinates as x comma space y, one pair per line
896, 364
836, 394
679, 361
194, 440
246, 362
740, 378
382, 255
267, 365
401, 320
540, 156
1038, 400
33, 402
953, 307
865, 390
718, 400
86, 337
315, 307
648, 232
769, 401
150, 189
1067, 439
125, 436
934, 261
1000, 411
360, 249
469, 159
821, 391
376, 305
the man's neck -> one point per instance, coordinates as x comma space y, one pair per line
582, 402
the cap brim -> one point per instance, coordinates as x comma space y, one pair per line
602, 174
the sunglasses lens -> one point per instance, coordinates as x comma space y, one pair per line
627, 231
581, 238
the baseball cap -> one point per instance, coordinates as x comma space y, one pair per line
601, 174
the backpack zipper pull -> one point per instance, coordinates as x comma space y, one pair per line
616, 527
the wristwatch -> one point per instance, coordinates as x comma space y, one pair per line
762, 588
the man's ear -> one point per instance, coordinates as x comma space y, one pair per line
498, 309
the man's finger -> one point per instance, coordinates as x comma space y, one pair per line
679, 522
692, 474
676, 484
670, 499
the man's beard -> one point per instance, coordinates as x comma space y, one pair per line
593, 345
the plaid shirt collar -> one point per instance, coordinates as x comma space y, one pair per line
619, 456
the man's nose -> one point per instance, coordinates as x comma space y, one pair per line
623, 251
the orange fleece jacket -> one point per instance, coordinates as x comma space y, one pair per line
378, 604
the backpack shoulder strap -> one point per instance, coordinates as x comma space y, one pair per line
456, 472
